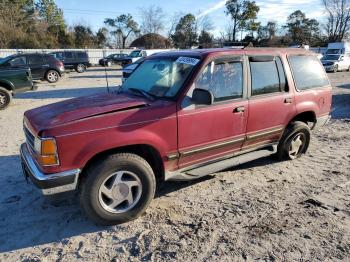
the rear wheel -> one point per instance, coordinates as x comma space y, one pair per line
5, 98
294, 142
52, 76
117, 189
81, 68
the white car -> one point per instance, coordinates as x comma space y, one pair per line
334, 63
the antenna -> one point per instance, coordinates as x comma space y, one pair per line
106, 78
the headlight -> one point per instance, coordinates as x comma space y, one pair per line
47, 151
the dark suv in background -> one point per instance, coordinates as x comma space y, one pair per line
42, 66
77, 60
112, 59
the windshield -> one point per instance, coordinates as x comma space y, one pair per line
5, 59
162, 77
331, 57
135, 53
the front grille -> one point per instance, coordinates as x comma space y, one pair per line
29, 137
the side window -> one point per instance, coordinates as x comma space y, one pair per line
81, 55
267, 76
68, 55
35, 59
18, 61
308, 72
224, 78
59, 55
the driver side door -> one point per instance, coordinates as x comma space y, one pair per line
208, 132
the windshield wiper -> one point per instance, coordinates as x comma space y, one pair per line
144, 93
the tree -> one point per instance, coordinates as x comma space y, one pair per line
338, 19
83, 36
124, 25
241, 12
50, 14
185, 35
152, 20
101, 37
151, 41
205, 39
301, 29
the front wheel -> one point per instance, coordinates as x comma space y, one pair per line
294, 142
5, 98
81, 68
52, 76
117, 189
335, 69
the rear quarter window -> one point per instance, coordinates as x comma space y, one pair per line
81, 55
308, 72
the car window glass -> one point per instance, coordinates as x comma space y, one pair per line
81, 55
224, 79
35, 59
68, 55
308, 72
264, 77
59, 55
18, 61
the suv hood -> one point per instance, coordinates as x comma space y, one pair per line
78, 108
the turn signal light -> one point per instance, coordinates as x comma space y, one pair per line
48, 147
49, 160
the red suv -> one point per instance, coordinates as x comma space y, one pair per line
181, 115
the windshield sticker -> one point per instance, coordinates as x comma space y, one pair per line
187, 60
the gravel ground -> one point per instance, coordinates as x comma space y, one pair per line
263, 210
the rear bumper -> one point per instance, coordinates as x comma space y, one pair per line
49, 184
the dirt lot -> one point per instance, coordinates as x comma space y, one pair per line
264, 210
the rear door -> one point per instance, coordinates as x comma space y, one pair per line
271, 101
37, 65
69, 60
218, 130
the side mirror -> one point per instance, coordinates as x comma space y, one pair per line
202, 97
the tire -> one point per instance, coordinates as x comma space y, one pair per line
52, 76
335, 69
81, 68
101, 195
295, 132
5, 98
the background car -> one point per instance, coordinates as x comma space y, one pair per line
14, 81
42, 66
112, 59
334, 63
77, 60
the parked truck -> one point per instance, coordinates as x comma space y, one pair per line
14, 81
338, 48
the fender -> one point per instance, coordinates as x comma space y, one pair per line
7, 84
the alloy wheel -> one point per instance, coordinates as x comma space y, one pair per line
3, 100
52, 76
120, 192
296, 145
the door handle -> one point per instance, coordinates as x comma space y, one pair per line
239, 109
288, 100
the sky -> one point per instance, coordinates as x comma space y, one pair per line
93, 12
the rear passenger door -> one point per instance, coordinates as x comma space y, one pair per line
271, 101
37, 66
69, 60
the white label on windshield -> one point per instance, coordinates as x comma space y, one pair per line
187, 60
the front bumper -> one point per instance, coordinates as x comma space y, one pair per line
329, 68
49, 184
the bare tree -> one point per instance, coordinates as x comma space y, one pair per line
152, 20
173, 21
338, 19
